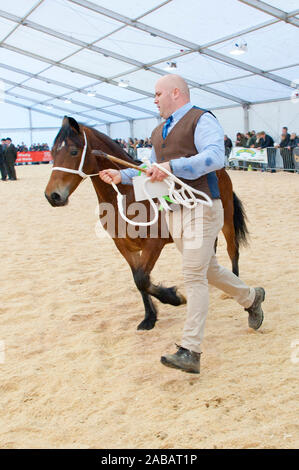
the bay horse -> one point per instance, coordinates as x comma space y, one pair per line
72, 150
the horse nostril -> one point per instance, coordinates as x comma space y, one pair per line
55, 197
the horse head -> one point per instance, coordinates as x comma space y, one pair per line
69, 163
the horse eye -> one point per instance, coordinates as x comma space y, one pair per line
74, 152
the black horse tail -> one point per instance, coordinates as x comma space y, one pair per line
240, 225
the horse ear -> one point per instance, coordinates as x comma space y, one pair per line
71, 122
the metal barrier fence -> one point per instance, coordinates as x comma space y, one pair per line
282, 159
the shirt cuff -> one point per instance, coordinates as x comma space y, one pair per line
125, 179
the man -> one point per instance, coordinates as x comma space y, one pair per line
265, 141
190, 144
10, 156
227, 148
2, 160
285, 138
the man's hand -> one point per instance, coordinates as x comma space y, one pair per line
110, 176
156, 174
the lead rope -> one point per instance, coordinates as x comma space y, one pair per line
185, 196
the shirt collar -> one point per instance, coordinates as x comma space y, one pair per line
179, 113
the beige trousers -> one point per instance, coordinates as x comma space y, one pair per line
194, 232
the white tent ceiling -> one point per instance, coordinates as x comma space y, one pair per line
57, 50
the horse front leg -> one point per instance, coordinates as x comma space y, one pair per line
150, 316
150, 253
133, 258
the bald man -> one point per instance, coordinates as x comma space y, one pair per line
190, 144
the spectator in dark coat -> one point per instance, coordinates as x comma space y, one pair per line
240, 140
3, 168
284, 141
227, 148
227, 145
265, 141
10, 156
285, 137
251, 140
293, 142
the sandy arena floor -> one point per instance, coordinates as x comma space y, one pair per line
77, 374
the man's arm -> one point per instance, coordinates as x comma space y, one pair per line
209, 142
129, 173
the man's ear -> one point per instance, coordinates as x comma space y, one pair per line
176, 93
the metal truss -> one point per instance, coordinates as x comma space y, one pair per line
136, 64
189, 48
182, 42
276, 12
72, 90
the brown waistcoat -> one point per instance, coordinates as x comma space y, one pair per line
178, 143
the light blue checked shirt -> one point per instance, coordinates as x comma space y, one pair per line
209, 142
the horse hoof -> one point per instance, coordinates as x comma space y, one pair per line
146, 324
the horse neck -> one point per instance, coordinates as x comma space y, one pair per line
99, 141
105, 192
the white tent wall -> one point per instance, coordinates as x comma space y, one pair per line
231, 119
268, 117
16, 136
144, 127
120, 130
44, 136
271, 117
13, 117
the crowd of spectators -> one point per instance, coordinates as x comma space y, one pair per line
33, 148
132, 145
261, 140
252, 139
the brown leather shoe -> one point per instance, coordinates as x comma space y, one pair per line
256, 314
183, 359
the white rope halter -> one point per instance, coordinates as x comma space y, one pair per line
80, 171
185, 196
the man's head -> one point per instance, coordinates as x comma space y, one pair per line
8, 140
284, 130
171, 93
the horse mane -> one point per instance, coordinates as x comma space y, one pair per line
67, 132
114, 148
99, 141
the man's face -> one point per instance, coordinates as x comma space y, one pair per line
164, 100
284, 131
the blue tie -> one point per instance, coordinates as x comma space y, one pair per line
166, 126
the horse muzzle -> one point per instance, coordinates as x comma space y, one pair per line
57, 199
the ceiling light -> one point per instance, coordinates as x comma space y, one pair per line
123, 83
49, 106
91, 93
170, 66
67, 101
239, 48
